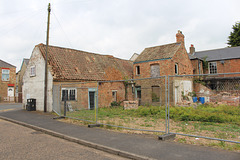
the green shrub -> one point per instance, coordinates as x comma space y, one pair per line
207, 113
115, 104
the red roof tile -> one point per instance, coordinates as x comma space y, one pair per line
70, 64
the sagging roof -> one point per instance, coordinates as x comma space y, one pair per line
219, 54
6, 65
70, 64
158, 52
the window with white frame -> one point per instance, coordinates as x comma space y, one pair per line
70, 94
5, 74
33, 71
212, 67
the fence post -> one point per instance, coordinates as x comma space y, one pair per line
168, 102
166, 98
96, 104
65, 105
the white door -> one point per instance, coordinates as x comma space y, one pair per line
10, 91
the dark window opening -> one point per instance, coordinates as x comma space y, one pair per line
176, 68
137, 70
69, 94
64, 95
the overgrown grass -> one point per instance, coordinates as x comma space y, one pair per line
202, 113
204, 120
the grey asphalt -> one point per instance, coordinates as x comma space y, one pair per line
17, 144
130, 143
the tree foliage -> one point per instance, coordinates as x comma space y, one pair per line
234, 38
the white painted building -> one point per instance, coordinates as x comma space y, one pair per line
34, 79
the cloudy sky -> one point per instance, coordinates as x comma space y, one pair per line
115, 27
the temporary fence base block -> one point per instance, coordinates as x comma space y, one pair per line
61, 117
166, 137
93, 125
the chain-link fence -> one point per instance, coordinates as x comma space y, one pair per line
202, 106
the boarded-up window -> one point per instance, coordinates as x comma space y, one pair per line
155, 93
155, 70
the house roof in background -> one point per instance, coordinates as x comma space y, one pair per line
26, 61
70, 64
192, 57
158, 52
219, 54
6, 65
134, 57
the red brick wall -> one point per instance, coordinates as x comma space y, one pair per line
195, 66
167, 67
145, 68
229, 66
183, 61
4, 84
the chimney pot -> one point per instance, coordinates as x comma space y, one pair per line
192, 49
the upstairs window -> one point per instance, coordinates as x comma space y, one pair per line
5, 74
155, 70
212, 67
176, 68
33, 71
69, 94
137, 70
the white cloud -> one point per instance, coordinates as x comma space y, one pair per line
119, 27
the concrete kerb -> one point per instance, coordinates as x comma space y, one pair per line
79, 141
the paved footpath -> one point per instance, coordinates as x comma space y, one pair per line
127, 145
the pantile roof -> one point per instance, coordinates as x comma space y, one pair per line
70, 64
158, 52
5, 64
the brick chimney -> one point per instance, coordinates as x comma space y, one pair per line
180, 37
192, 49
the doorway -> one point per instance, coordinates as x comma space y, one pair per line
11, 94
91, 100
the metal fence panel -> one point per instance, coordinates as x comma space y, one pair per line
56, 99
205, 106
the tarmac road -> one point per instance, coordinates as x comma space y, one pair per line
9, 107
18, 143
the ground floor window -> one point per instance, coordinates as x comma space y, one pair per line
114, 96
69, 94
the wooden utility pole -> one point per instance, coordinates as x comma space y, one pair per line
46, 61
